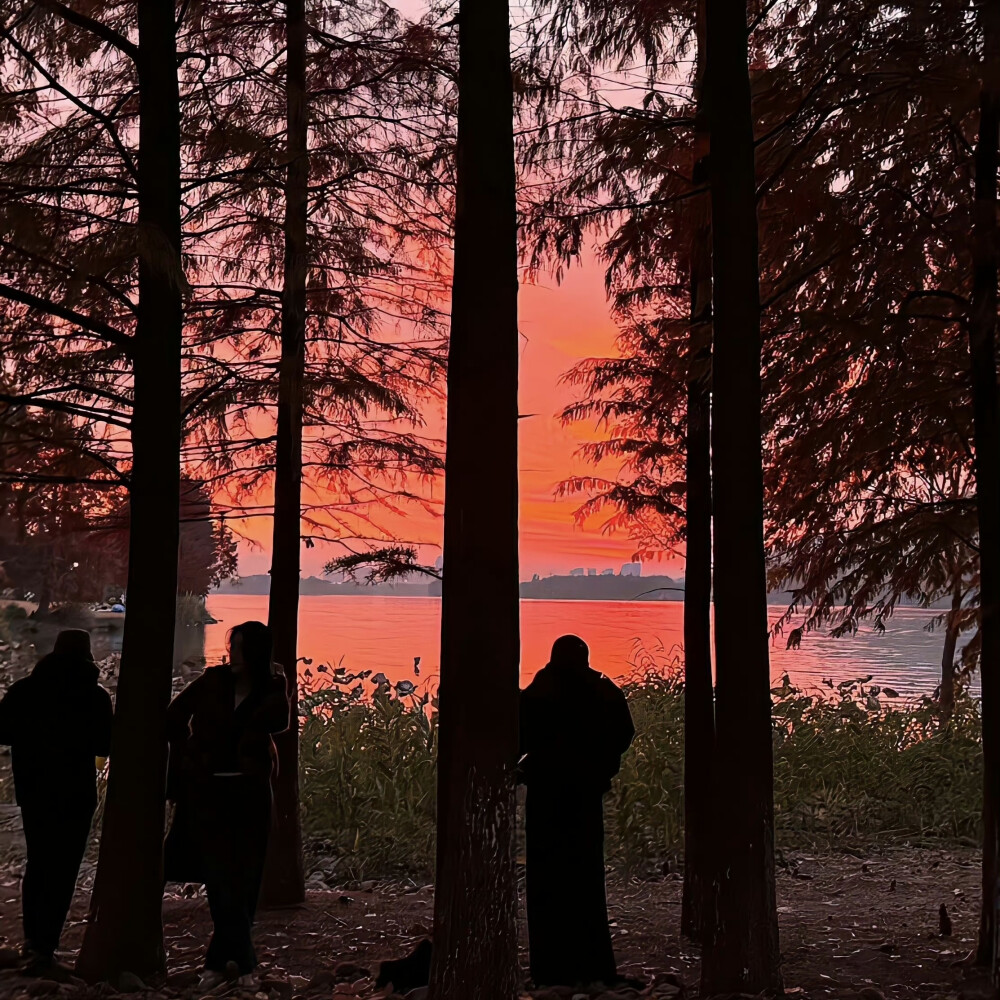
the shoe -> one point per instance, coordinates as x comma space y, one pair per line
248, 981
210, 979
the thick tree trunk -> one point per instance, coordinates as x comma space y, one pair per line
126, 932
284, 881
475, 906
946, 698
986, 433
741, 953
699, 709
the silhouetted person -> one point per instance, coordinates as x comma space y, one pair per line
56, 720
220, 729
575, 726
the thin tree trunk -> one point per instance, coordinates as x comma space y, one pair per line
946, 698
986, 433
699, 710
44, 599
126, 932
475, 905
284, 880
741, 953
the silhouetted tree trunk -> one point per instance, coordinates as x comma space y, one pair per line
126, 932
44, 598
741, 953
699, 710
986, 435
284, 881
475, 904
946, 698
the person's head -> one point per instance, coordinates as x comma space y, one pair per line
250, 650
569, 651
75, 643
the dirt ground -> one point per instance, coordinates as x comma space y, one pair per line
865, 927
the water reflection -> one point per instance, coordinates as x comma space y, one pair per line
386, 634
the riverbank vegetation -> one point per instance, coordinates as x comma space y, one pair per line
856, 766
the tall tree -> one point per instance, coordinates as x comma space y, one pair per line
741, 951
284, 879
475, 904
986, 439
699, 708
126, 931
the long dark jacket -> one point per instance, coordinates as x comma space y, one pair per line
56, 721
209, 734
575, 726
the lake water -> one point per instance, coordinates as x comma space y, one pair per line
387, 633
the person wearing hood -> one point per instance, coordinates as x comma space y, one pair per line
575, 726
57, 722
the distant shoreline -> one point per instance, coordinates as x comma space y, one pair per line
596, 589
552, 588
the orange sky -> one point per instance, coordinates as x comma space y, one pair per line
560, 324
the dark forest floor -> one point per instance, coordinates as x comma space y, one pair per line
865, 927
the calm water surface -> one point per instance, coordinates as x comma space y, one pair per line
387, 633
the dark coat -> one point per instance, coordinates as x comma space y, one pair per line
575, 726
209, 734
56, 721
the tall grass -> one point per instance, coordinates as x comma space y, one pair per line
367, 776
855, 765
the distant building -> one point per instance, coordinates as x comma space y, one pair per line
439, 563
591, 572
632, 569
576, 572
607, 572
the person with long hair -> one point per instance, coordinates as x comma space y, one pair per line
220, 729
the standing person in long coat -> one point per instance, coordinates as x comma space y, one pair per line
220, 728
575, 726
56, 720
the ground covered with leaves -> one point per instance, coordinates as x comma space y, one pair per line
866, 926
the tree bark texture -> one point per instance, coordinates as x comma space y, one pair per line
699, 708
475, 933
126, 932
741, 952
986, 439
284, 878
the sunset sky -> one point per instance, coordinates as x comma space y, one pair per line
560, 324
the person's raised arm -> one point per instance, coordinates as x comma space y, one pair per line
274, 714
624, 726
180, 711
103, 719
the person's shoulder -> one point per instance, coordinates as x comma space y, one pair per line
19, 688
276, 683
539, 683
606, 685
209, 680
